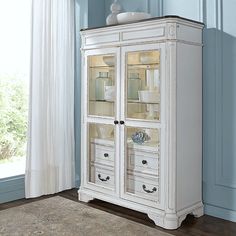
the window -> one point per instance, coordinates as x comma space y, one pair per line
14, 79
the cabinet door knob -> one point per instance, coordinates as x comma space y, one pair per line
106, 155
144, 162
149, 191
122, 122
116, 122
107, 178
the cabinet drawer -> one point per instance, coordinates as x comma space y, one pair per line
101, 39
144, 33
102, 154
142, 187
143, 161
103, 177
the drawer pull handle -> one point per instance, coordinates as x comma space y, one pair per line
144, 162
116, 122
149, 191
122, 122
106, 155
107, 178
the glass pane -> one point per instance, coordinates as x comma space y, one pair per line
101, 155
14, 81
142, 162
101, 89
143, 85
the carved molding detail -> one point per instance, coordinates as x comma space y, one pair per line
172, 30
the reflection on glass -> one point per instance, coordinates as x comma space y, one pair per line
101, 154
101, 85
141, 158
143, 85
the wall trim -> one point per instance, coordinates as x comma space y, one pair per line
160, 7
220, 212
220, 179
201, 10
147, 5
12, 188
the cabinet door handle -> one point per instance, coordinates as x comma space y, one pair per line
122, 122
149, 191
106, 155
107, 178
144, 162
116, 122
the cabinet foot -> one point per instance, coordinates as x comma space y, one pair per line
174, 220
83, 197
198, 212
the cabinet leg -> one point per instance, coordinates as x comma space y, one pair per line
198, 212
83, 197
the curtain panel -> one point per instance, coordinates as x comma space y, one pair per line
50, 152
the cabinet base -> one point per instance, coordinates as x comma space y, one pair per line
83, 197
172, 220
160, 217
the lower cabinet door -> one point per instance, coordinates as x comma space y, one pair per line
101, 157
141, 178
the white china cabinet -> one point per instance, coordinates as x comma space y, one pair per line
142, 117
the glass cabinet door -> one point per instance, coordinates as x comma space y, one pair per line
143, 85
101, 85
141, 134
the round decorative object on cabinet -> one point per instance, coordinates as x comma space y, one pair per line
115, 10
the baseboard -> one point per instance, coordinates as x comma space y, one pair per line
12, 188
220, 212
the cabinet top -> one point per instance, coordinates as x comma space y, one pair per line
157, 29
173, 17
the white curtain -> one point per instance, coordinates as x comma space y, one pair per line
50, 153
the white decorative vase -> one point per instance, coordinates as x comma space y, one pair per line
115, 9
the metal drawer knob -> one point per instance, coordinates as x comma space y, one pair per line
149, 191
106, 155
144, 162
107, 178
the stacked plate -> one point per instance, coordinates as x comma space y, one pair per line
127, 17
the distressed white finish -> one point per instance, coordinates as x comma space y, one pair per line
177, 165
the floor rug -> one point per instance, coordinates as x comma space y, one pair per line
60, 216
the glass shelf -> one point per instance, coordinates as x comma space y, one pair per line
102, 67
143, 66
101, 101
139, 102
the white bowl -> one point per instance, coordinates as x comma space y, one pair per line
151, 96
109, 60
146, 58
126, 17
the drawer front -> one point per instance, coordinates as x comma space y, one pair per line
101, 39
103, 177
144, 33
102, 154
143, 188
143, 161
